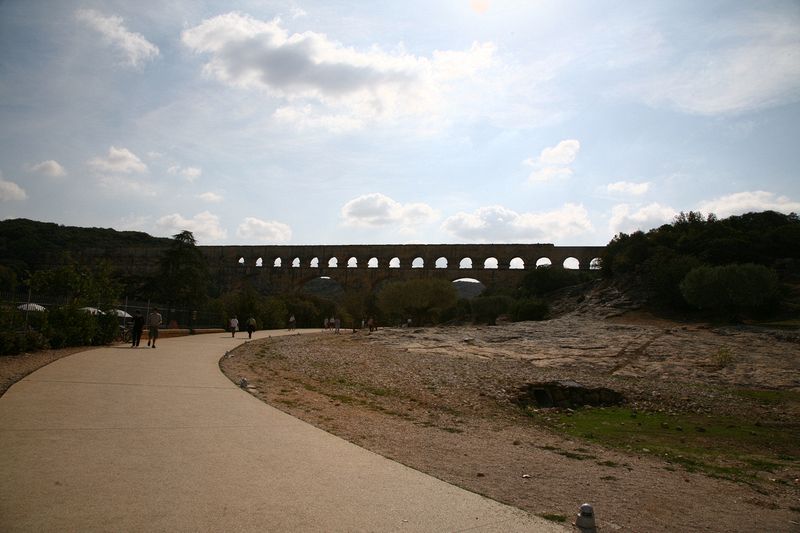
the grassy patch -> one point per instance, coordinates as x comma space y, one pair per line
767, 396
560, 518
720, 446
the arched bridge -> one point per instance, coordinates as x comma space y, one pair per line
278, 268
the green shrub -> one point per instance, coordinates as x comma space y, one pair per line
731, 289
529, 309
488, 308
69, 326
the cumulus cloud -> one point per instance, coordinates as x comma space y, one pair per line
376, 209
210, 197
313, 72
118, 161
563, 153
749, 201
628, 219
10, 191
748, 65
553, 162
264, 231
48, 168
136, 49
205, 226
190, 173
627, 187
497, 224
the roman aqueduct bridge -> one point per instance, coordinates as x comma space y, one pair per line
277, 268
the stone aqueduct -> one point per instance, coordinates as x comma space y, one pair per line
276, 268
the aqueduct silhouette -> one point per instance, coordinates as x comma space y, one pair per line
277, 269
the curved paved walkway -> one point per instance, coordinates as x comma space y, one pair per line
122, 439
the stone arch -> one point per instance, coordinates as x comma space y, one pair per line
373, 263
543, 262
394, 262
296, 262
314, 263
277, 263
465, 263
333, 262
441, 262
491, 262
418, 262
596, 264
352, 263
259, 262
571, 263
516, 263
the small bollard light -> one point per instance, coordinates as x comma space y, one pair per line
585, 520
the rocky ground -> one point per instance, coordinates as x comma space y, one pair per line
444, 401
15, 367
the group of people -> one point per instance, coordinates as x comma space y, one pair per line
154, 321
233, 325
332, 323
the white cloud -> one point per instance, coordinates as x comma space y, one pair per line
627, 219
749, 201
376, 209
627, 187
210, 197
553, 162
205, 226
315, 74
10, 191
263, 231
48, 168
134, 46
498, 224
190, 173
550, 174
564, 153
748, 64
118, 161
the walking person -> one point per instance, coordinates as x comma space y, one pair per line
291, 322
153, 323
234, 325
338, 322
251, 327
325, 325
138, 327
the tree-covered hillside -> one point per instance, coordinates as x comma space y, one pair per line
729, 265
24, 243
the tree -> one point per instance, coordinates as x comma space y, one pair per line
183, 273
731, 289
488, 308
422, 300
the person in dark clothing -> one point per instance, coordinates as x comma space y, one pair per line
138, 326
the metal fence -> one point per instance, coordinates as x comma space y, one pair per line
173, 317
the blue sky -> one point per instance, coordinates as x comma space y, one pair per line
255, 122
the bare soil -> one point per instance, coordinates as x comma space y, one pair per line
15, 367
441, 400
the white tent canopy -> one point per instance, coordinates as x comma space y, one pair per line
92, 310
120, 313
31, 307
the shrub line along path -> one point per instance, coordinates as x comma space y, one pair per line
122, 439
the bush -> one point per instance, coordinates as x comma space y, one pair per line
69, 326
529, 309
546, 279
731, 289
488, 308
